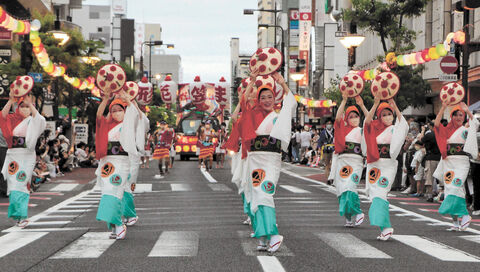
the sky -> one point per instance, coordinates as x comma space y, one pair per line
200, 29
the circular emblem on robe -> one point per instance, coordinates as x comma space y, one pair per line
258, 175
132, 187
13, 168
465, 134
355, 178
457, 182
346, 171
383, 182
448, 177
129, 176
116, 180
268, 187
275, 120
21, 176
107, 170
373, 175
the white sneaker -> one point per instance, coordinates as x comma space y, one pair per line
158, 177
466, 219
453, 228
124, 220
275, 243
406, 191
121, 231
247, 221
477, 212
22, 223
113, 234
132, 220
262, 245
359, 219
385, 234
349, 223
252, 234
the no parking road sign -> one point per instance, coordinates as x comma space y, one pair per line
449, 64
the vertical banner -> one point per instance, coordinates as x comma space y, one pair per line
305, 24
81, 133
294, 16
50, 126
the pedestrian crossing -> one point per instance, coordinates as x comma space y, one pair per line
170, 244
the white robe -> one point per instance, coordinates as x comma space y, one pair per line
142, 125
23, 158
458, 165
385, 170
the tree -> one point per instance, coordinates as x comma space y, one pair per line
386, 19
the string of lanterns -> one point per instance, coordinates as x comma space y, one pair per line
311, 103
414, 58
20, 27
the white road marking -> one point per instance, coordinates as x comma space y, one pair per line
350, 246
80, 206
61, 216
43, 229
270, 264
219, 187
307, 202
249, 246
71, 211
294, 189
143, 188
85, 202
46, 223
90, 245
207, 175
15, 240
176, 244
64, 187
180, 187
436, 249
472, 238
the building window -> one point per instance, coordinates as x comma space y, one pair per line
99, 29
94, 15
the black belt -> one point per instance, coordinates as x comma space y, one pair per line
352, 148
266, 143
455, 149
18, 142
115, 148
384, 151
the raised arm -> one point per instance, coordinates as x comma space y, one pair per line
359, 101
280, 80
371, 113
392, 104
28, 101
103, 105
8, 106
467, 111
440, 114
341, 108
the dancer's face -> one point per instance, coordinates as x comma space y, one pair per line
266, 101
353, 119
458, 117
118, 113
387, 117
24, 110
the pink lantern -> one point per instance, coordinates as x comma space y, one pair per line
221, 95
198, 92
145, 92
168, 90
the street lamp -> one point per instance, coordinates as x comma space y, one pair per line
296, 76
57, 33
150, 44
274, 11
265, 26
351, 42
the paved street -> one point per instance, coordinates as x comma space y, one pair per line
189, 223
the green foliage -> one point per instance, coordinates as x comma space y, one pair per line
159, 113
412, 89
386, 19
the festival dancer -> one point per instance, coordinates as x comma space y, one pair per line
265, 133
220, 150
114, 144
207, 146
21, 131
164, 139
384, 141
142, 125
455, 142
347, 163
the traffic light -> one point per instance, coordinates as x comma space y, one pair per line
467, 4
26, 58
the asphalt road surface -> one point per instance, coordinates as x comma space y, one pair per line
192, 221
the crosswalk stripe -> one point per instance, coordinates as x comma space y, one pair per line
350, 246
84, 202
90, 245
64, 187
472, 238
45, 223
71, 211
143, 188
15, 240
80, 206
249, 246
436, 249
270, 263
294, 189
219, 187
180, 187
176, 244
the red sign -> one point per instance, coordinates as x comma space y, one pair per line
305, 16
5, 34
294, 15
449, 64
303, 54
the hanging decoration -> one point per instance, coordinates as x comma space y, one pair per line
221, 92
310, 103
20, 27
145, 92
168, 91
198, 92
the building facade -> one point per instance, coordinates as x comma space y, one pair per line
163, 65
